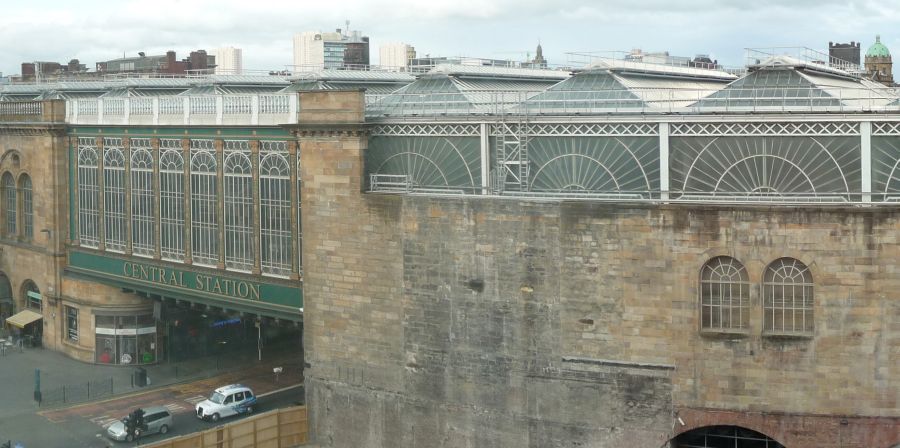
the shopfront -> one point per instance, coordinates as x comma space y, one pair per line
126, 339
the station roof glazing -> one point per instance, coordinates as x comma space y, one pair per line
610, 86
464, 90
783, 82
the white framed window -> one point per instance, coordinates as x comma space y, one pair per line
204, 214
114, 193
239, 253
275, 209
171, 200
10, 204
724, 296
27, 206
142, 215
299, 215
71, 323
788, 299
88, 192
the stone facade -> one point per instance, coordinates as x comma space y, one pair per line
495, 322
33, 145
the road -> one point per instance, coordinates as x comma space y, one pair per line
85, 425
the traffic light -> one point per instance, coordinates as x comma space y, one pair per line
134, 423
139, 420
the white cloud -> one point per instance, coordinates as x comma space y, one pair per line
94, 30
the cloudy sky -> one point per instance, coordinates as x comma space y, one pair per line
95, 30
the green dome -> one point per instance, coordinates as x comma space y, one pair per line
878, 50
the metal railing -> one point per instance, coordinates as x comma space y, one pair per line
237, 109
21, 108
647, 100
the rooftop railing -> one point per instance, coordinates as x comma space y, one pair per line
755, 99
32, 111
246, 110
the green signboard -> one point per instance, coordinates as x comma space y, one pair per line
143, 274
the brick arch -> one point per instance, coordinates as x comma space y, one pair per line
736, 422
797, 430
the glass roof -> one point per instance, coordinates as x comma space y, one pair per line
784, 82
463, 94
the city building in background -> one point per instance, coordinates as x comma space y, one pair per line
538, 61
50, 71
844, 52
396, 55
228, 60
198, 62
879, 65
338, 49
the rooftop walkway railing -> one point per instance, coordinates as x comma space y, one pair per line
655, 100
32, 111
249, 110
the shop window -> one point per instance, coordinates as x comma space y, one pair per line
126, 339
72, 323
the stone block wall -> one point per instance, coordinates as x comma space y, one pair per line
454, 322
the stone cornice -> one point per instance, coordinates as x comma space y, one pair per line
33, 129
329, 129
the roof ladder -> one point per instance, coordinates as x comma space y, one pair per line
511, 152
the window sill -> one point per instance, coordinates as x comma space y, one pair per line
781, 335
724, 333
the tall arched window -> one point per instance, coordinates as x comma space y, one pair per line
204, 192
114, 193
275, 209
788, 298
10, 204
32, 296
171, 200
238, 206
724, 296
27, 206
142, 235
299, 215
88, 192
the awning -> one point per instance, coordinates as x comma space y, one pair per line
23, 318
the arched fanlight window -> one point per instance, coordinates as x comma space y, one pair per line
788, 298
724, 296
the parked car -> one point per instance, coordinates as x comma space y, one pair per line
226, 401
157, 419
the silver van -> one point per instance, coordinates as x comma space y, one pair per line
157, 419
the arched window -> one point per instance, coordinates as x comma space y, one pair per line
32, 296
275, 209
787, 298
724, 296
171, 200
27, 206
239, 253
723, 436
114, 193
142, 235
204, 198
9, 203
88, 192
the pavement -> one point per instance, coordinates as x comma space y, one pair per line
175, 385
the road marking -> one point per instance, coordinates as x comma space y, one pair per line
103, 421
195, 399
174, 407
